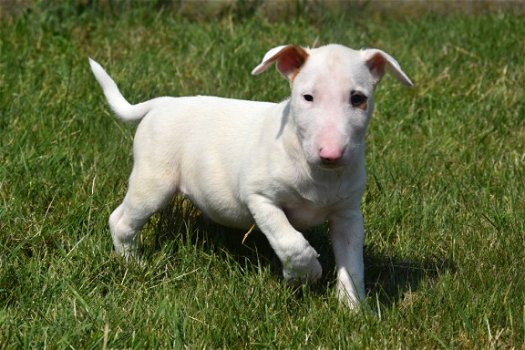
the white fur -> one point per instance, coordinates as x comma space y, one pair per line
284, 166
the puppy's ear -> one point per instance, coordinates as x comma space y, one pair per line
377, 60
288, 58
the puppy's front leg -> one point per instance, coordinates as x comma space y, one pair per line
298, 257
348, 234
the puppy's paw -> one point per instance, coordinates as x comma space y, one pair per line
303, 268
351, 296
130, 253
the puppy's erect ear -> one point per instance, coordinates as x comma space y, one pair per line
378, 60
289, 59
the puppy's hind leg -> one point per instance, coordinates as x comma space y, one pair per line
148, 192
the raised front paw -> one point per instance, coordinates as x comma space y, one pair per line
303, 267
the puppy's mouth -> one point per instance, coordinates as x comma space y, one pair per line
331, 165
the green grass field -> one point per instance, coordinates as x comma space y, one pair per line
444, 207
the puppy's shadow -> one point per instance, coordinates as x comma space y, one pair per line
393, 280
388, 278
181, 223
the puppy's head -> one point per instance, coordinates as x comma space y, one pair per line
332, 96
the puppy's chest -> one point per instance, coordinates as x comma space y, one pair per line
310, 203
311, 208
305, 216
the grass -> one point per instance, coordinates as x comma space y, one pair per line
444, 207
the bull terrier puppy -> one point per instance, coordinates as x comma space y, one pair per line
284, 167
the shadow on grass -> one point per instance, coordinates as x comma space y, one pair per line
387, 278
181, 223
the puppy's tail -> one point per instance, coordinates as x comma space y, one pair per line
122, 108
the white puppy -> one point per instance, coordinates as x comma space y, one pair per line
284, 166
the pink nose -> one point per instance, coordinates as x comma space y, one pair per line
330, 155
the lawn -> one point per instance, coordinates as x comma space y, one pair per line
444, 208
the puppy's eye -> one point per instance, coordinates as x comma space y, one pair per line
357, 98
308, 97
